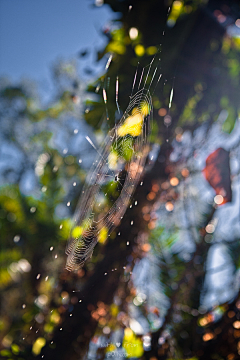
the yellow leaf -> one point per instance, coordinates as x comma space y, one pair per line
77, 231
114, 310
112, 160
103, 234
55, 317
128, 334
38, 345
110, 348
48, 328
116, 47
139, 50
15, 349
145, 110
132, 344
151, 50
176, 11
132, 125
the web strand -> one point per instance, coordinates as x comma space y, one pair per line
114, 176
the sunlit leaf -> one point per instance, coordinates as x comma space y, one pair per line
103, 234
131, 126
38, 345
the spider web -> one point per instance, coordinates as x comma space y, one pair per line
113, 177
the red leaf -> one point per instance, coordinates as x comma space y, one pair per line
217, 173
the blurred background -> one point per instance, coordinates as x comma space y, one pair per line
165, 283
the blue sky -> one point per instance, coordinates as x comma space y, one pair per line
34, 33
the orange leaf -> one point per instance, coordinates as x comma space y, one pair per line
217, 173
